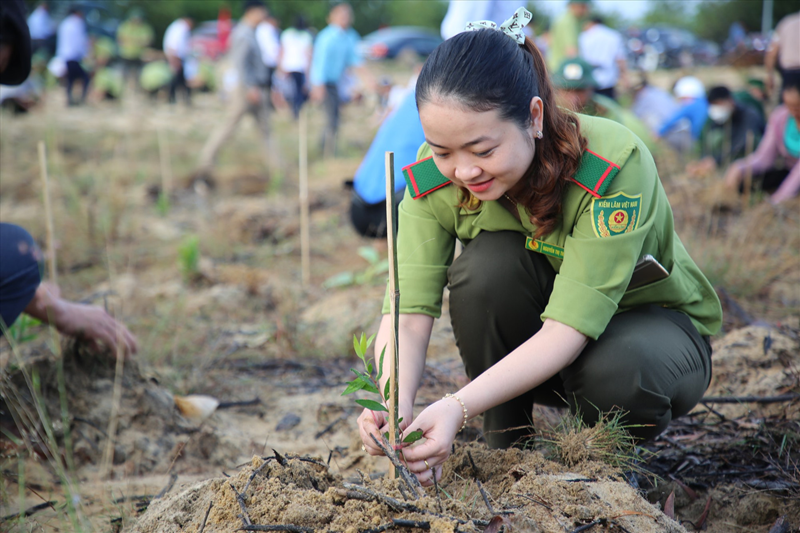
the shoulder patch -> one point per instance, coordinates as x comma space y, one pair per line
423, 178
595, 173
616, 214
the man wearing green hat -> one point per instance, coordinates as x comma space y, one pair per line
134, 36
564, 33
576, 90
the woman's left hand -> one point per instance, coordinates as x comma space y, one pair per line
439, 422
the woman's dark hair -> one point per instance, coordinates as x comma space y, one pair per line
720, 92
485, 70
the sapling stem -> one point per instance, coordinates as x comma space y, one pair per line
394, 303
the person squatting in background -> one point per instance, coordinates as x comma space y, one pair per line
781, 141
21, 289
555, 210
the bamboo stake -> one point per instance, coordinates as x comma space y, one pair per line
305, 241
166, 164
394, 303
748, 174
48, 212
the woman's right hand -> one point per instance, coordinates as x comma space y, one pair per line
376, 423
733, 177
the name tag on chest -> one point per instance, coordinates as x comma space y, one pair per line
536, 245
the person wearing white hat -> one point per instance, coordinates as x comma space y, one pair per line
694, 107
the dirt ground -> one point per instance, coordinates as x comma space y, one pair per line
243, 329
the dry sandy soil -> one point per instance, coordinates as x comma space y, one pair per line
242, 327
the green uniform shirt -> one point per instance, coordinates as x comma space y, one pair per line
133, 38
563, 36
593, 250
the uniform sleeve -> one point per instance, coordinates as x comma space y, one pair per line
596, 270
354, 59
424, 253
318, 59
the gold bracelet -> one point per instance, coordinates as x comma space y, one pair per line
463, 407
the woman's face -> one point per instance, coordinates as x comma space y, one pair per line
791, 99
479, 150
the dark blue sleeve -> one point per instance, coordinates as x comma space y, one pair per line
19, 271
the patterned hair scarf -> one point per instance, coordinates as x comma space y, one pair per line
512, 27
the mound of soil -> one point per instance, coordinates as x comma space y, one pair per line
151, 436
524, 490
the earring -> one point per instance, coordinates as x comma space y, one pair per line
539, 135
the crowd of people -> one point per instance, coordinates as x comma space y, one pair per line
493, 115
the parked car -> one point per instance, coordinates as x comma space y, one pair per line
389, 43
667, 47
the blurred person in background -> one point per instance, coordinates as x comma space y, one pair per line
176, 48
690, 117
134, 36
72, 46
784, 52
653, 105
604, 49
729, 124
42, 28
460, 12
297, 47
249, 95
21, 289
334, 54
401, 133
564, 33
575, 84
107, 82
776, 162
268, 35
754, 96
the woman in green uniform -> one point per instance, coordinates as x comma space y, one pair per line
555, 211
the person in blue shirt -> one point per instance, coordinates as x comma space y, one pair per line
334, 53
401, 133
694, 108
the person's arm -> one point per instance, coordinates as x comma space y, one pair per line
74, 319
414, 335
539, 358
679, 114
764, 156
790, 186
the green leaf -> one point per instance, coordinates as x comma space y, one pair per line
355, 385
372, 405
386, 435
369, 368
399, 420
370, 254
414, 436
386, 390
357, 348
363, 376
342, 279
380, 363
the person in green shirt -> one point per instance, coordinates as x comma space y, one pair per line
576, 88
565, 32
134, 36
555, 211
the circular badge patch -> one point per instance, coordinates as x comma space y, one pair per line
618, 221
573, 72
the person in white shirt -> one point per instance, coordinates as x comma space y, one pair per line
604, 49
42, 29
269, 42
176, 48
72, 45
297, 46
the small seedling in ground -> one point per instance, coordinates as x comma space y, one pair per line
369, 381
376, 267
189, 258
20, 331
163, 204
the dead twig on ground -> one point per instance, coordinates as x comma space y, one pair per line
397, 522
29, 511
205, 518
245, 403
751, 399
330, 426
485, 497
280, 527
410, 479
240, 500
171, 483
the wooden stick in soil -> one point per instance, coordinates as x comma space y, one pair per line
48, 212
394, 304
305, 240
166, 164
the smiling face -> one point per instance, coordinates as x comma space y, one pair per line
479, 150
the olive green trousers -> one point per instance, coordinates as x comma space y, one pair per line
650, 362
